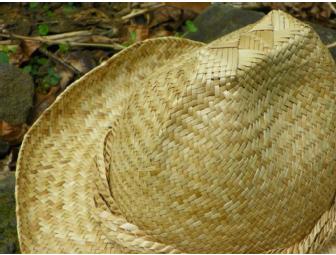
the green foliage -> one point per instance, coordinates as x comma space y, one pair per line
43, 29
69, 8
190, 26
45, 7
32, 69
43, 72
12, 49
27, 69
8, 48
47, 11
50, 14
54, 77
133, 36
42, 61
132, 39
34, 65
33, 5
64, 47
4, 59
51, 79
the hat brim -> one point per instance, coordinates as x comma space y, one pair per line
54, 169
56, 173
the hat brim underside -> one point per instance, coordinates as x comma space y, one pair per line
54, 173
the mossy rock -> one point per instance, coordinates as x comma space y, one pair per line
221, 19
16, 94
327, 36
8, 233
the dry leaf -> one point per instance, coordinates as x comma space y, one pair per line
103, 39
12, 134
100, 56
318, 11
43, 101
161, 32
83, 61
29, 47
90, 16
66, 76
141, 32
195, 7
164, 14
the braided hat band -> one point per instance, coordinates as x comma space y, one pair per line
193, 148
118, 229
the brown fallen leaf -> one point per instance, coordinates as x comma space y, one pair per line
141, 32
13, 134
164, 14
90, 16
195, 7
172, 15
317, 11
66, 76
43, 101
29, 47
103, 39
160, 32
101, 56
83, 61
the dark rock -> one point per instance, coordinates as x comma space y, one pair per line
327, 36
221, 19
4, 149
8, 240
16, 94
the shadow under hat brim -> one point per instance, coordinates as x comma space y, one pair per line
54, 169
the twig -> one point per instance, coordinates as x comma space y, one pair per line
58, 37
60, 61
115, 46
135, 13
47, 22
332, 45
6, 42
247, 5
83, 33
332, 7
64, 38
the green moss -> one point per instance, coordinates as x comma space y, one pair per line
16, 94
8, 234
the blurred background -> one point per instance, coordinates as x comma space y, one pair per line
44, 47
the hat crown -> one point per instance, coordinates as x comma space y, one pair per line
228, 142
227, 148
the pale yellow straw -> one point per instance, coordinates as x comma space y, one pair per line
174, 146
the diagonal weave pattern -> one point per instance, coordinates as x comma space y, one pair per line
208, 155
58, 177
226, 147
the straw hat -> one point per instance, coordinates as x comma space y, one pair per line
176, 146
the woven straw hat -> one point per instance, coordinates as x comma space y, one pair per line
176, 146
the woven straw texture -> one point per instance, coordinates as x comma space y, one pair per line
176, 146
